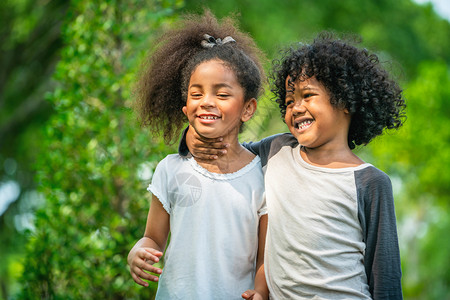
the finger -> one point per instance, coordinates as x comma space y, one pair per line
147, 265
153, 269
210, 145
151, 256
208, 154
138, 280
154, 252
248, 294
144, 275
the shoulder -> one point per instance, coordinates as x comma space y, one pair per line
170, 161
283, 139
371, 177
374, 189
269, 146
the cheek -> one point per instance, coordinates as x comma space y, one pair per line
287, 117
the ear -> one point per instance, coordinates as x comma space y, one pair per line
249, 110
184, 109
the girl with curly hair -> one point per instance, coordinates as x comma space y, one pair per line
210, 74
332, 227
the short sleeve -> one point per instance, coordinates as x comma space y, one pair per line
158, 187
263, 210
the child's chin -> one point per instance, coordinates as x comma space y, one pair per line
208, 135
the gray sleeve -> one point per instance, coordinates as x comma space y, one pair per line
377, 216
269, 146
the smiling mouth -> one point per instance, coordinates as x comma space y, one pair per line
208, 117
303, 124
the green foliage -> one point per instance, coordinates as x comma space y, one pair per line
418, 156
93, 162
398, 29
29, 41
419, 147
94, 157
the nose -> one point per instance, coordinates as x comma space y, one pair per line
298, 108
208, 101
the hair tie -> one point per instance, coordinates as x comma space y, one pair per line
210, 41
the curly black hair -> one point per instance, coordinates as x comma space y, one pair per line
161, 91
354, 78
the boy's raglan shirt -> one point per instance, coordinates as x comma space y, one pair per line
332, 232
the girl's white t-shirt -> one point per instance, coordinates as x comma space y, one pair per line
214, 222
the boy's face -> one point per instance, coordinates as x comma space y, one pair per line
312, 119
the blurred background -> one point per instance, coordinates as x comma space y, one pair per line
74, 163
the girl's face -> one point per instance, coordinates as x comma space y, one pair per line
312, 119
215, 102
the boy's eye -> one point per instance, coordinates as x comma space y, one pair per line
308, 95
222, 95
289, 102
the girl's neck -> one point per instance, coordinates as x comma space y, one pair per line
330, 157
236, 158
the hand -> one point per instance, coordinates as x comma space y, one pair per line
142, 260
204, 148
252, 294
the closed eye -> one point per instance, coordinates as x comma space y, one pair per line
289, 102
222, 96
196, 94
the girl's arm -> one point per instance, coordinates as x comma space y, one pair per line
149, 249
261, 291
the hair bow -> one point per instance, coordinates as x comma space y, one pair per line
210, 41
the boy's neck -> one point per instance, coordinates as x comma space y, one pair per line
334, 158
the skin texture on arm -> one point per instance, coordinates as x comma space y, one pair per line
261, 291
149, 249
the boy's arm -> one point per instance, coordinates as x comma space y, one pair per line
207, 149
261, 291
382, 256
200, 147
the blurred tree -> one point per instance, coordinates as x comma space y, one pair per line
30, 40
391, 27
95, 161
418, 155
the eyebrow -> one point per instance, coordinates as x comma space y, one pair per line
306, 88
218, 85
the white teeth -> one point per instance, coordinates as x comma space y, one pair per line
209, 117
303, 124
